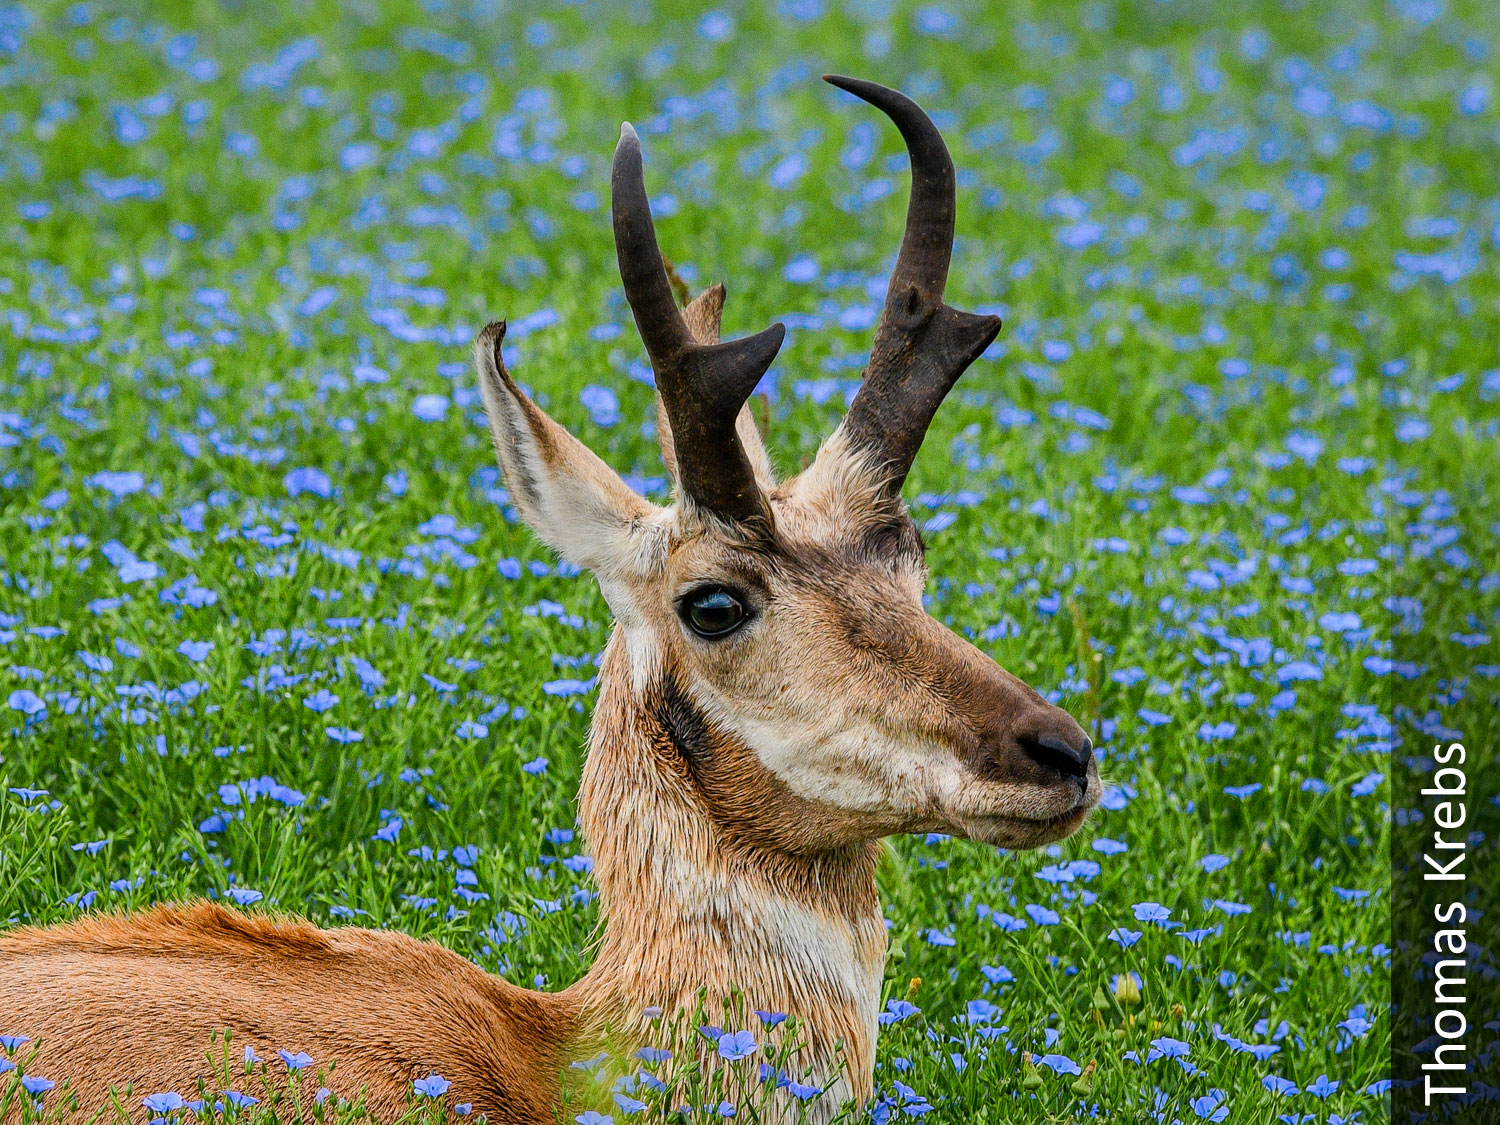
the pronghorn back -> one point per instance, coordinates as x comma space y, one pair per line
112, 1000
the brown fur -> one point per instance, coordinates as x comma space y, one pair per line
693, 901
134, 1002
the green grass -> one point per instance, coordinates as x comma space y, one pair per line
1205, 328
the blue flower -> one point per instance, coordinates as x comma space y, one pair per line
898, 1010
1231, 908
602, 404
736, 1045
1042, 916
1211, 1107
1151, 912
801, 270
27, 702
117, 484
430, 408
1298, 670
569, 687
296, 1061
96, 663
1169, 1048
320, 700
1322, 1086
433, 1086
981, 1011
309, 480
164, 1102
716, 26
1060, 1064
1356, 1026
1366, 785
196, 651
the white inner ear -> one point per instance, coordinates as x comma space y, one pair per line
576, 503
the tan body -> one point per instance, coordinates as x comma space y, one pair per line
773, 701
116, 1002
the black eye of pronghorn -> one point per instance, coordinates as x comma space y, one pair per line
713, 612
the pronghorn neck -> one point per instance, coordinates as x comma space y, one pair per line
689, 901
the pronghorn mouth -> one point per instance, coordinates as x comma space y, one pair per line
1025, 832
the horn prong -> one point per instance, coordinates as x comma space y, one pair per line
921, 345
702, 386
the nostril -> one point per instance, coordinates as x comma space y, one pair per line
1054, 753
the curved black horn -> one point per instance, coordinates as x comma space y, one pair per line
702, 386
921, 345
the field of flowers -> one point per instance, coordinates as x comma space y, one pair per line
269, 629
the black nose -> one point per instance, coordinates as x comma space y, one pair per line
1053, 752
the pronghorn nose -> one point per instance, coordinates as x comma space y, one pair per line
1069, 756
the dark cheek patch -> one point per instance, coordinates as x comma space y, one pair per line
685, 727
751, 805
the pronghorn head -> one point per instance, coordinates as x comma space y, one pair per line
775, 630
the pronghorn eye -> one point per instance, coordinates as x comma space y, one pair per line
713, 612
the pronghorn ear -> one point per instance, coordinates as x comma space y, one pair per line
576, 503
702, 315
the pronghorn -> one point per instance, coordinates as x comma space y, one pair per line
774, 700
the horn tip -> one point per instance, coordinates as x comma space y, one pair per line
628, 134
